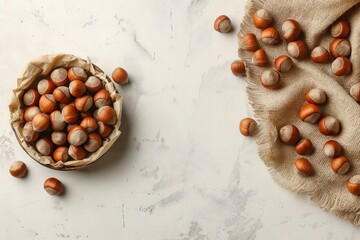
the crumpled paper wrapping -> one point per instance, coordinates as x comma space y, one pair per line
35, 70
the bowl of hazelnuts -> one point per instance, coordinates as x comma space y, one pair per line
65, 111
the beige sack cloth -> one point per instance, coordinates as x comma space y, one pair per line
276, 108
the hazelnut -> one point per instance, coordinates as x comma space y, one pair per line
77, 136
44, 146
93, 84
283, 64
320, 55
353, 185
291, 30
104, 129
107, 115
341, 66
340, 29
290, 134
18, 169
304, 166
222, 24
238, 68
77, 88
310, 113
329, 126
247, 126
77, 152
31, 97
59, 77
47, 103
89, 124
262, 19
61, 154
340, 165
120, 76
77, 73
30, 112
29, 134
332, 149
62, 95
249, 43
270, 36
45, 87
355, 92
297, 49
260, 58
304, 147
94, 142
102, 98
316, 96
70, 114
53, 186
57, 121
84, 103
270, 79
41, 122
58, 138
340, 48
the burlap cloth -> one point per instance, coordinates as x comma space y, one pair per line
276, 108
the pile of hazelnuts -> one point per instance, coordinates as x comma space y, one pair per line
310, 112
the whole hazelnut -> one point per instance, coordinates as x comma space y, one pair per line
77, 73
61, 154
59, 77
316, 96
310, 113
62, 95
107, 115
270, 79
341, 66
94, 142
41, 122
320, 55
222, 24
249, 43
291, 30
58, 138
238, 68
262, 19
270, 36
44, 146
77, 136
18, 169
77, 152
48, 103
283, 64
77, 88
297, 49
289, 134
260, 58
57, 121
45, 86
340, 165
30, 112
31, 97
340, 29
332, 149
89, 124
70, 114
102, 98
120, 76
355, 92
304, 166
104, 129
29, 134
340, 48
84, 103
304, 147
93, 84
247, 126
353, 185
53, 186
329, 126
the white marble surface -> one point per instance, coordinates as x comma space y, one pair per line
180, 170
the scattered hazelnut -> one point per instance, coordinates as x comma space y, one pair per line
77, 136
45, 87
340, 165
62, 95
77, 88
30, 112
53, 186
93, 84
291, 30
270, 79
59, 77
77, 73
320, 55
316, 96
340, 29
283, 64
332, 149
58, 138
44, 146
249, 43
104, 129
41, 122
247, 126
48, 103
29, 134
340, 48
304, 147
102, 98
297, 49
107, 115
270, 36
18, 169
89, 124
341, 66
303, 166
31, 97
120, 76
353, 185
61, 154
262, 19
84, 103
238, 68
77, 152
260, 58
222, 24
70, 114
290, 134
310, 113
329, 126
94, 142
355, 92
57, 121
